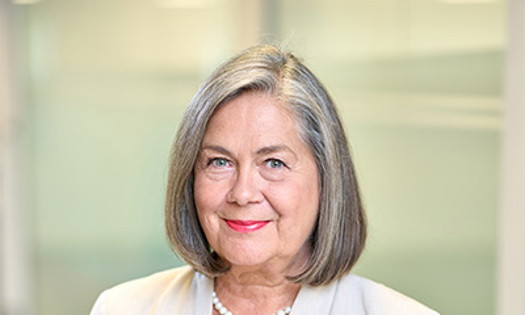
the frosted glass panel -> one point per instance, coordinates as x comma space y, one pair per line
418, 84
109, 82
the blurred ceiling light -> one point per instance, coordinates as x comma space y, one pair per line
24, 1
186, 4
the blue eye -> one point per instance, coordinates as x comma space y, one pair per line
219, 162
273, 163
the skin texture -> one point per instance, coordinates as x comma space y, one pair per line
257, 194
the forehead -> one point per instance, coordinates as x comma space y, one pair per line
254, 111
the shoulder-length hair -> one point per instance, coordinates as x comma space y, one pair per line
339, 235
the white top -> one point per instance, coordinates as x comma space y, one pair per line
184, 291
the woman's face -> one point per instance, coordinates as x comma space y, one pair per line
256, 184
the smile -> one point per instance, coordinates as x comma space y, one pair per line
246, 226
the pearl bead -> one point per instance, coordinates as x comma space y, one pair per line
224, 311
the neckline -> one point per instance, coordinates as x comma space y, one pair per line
222, 309
309, 300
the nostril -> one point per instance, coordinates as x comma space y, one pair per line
244, 190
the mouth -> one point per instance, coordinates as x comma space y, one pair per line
246, 226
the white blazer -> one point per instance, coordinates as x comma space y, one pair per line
184, 291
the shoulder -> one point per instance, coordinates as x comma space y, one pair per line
376, 298
141, 296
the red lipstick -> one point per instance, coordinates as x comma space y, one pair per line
246, 226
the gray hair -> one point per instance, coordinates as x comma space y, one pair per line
340, 232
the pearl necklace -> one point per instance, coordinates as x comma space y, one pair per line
224, 311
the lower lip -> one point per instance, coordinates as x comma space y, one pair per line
246, 226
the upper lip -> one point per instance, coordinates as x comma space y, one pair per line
246, 222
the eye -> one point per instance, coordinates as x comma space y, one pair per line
274, 163
219, 162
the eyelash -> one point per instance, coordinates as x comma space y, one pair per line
214, 160
268, 162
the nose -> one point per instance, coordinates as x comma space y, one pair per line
245, 189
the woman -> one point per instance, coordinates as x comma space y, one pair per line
262, 204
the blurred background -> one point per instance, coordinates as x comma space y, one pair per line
93, 92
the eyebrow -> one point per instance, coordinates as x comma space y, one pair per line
216, 148
261, 151
273, 149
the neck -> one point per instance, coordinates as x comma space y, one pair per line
245, 291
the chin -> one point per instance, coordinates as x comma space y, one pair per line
246, 258
246, 261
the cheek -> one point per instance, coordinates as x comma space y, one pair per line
201, 195
204, 205
303, 201
299, 202
207, 194
197, 190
